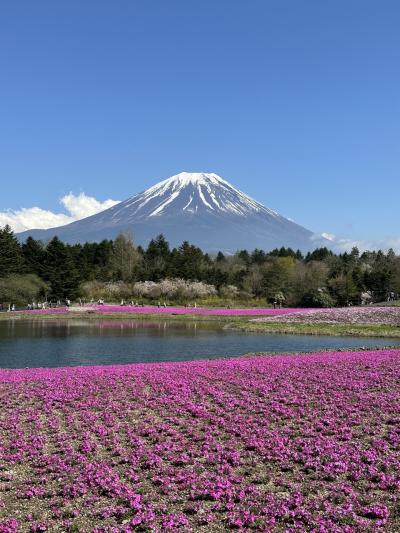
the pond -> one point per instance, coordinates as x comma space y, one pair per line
55, 343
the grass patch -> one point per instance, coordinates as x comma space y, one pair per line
393, 303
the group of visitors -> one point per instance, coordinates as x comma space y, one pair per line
36, 305
49, 305
137, 304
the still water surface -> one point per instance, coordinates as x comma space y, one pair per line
54, 343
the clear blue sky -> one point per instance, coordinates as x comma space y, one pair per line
295, 102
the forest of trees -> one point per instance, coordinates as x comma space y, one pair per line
119, 269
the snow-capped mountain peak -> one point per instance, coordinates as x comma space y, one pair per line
198, 207
193, 192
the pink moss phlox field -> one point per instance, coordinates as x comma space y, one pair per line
197, 310
306, 443
150, 310
48, 311
345, 315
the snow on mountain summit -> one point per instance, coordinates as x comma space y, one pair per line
192, 192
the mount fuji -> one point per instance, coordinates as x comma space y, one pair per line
202, 208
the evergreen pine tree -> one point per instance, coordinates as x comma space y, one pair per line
34, 256
157, 257
188, 262
103, 259
60, 271
11, 258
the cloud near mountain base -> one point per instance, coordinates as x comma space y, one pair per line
76, 207
343, 244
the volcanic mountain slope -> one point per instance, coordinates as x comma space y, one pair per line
201, 208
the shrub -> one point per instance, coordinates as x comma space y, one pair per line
21, 289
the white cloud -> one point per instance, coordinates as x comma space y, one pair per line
329, 236
76, 206
82, 206
343, 244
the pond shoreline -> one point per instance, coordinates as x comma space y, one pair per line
234, 323
4, 371
59, 342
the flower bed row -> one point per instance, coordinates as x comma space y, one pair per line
148, 309
346, 315
285, 443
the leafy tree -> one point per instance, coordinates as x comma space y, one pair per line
317, 298
380, 279
307, 279
253, 281
21, 289
344, 290
276, 276
125, 258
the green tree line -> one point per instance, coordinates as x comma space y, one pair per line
58, 271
